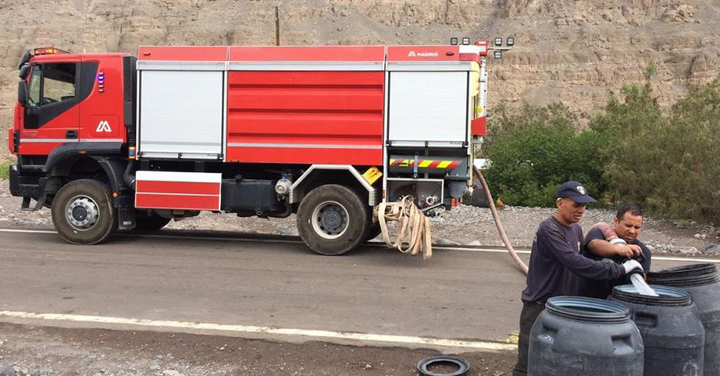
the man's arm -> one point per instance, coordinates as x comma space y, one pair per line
602, 241
574, 261
603, 248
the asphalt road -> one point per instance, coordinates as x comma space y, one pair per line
227, 281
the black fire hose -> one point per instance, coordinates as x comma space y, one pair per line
499, 225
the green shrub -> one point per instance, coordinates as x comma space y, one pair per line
667, 163
534, 150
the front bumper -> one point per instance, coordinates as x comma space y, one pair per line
14, 180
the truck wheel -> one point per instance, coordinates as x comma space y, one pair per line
82, 212
145, 221
375, 230
332, 220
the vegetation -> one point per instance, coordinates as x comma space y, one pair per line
665, 160
4, 169
535, 149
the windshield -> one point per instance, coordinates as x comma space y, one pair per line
34, 90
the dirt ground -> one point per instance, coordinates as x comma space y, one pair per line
45, 351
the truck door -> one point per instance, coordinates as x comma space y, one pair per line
51, 113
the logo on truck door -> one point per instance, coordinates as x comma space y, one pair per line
103, 127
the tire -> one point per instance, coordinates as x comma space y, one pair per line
145, 221
332, 220
374, 231
82, 212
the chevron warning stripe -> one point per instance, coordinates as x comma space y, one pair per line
425, 163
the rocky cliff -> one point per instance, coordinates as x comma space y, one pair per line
571, 51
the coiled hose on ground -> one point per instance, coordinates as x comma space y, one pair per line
499, 225
414, 228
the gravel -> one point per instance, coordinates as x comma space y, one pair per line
464, 225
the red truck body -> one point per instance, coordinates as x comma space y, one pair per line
325, 132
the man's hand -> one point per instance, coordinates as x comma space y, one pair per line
631, 266
624, 249
628, 251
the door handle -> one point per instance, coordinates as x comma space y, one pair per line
71, 134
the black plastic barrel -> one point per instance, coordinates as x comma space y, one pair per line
703, 284
670, 327
585, 337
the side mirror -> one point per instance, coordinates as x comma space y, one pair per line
26, 57
24, 71
22, 93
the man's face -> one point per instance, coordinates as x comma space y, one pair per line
570, 211
628, 227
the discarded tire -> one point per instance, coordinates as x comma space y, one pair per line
670, 326
703, 284
453, 361
585, 336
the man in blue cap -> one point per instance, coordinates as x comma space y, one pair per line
556, 263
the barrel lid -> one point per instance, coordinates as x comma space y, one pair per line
588, 309
686, 275
668, 296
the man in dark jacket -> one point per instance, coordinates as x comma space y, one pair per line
617, 245
556, 263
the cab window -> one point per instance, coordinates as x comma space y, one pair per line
52, 83
34, 91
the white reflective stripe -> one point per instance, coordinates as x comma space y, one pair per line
304, 146
448, 144
182, 65
177, 208
307, 65
48, 140
101, 140
465, 49
434, 66
41, 140
177, 194
177, 155
183, 177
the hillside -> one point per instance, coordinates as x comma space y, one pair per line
572, 51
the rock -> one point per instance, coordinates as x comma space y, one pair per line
7, 371
700, 236
685, 250
713, 249
284, 230
368, 366
447, 242
475, 243
170, 372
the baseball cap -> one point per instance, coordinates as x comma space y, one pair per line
575, 191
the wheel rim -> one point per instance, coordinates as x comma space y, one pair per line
330, 220
82, 213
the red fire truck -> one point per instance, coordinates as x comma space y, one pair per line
112, 141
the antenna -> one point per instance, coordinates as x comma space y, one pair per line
277, 26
